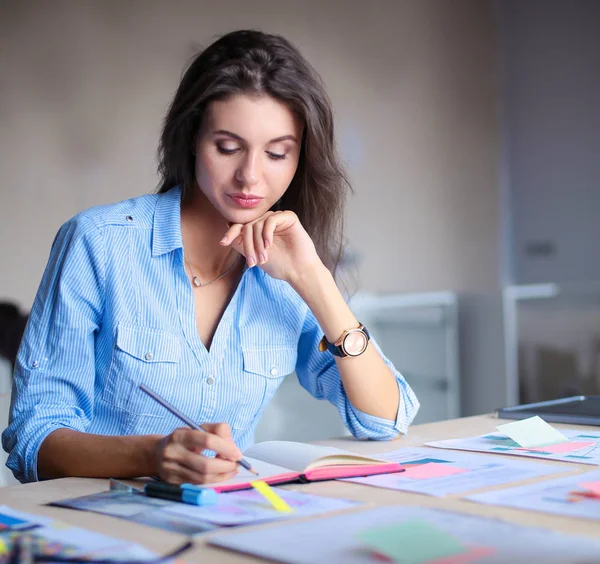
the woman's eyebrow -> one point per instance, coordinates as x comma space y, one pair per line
239, 138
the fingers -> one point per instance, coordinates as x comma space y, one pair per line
180, 459
197, 441
269, 229
259, 242
231, 234
177, 474
251, 239
248, 237
205, 464
221, 429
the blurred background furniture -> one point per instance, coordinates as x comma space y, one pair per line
554, 332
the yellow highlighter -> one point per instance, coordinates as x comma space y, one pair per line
269, 494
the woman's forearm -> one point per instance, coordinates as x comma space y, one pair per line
66, 452
369, 384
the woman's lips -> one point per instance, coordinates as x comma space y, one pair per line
245, 201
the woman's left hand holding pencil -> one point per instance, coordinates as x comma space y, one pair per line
179, 456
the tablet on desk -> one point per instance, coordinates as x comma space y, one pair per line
579, 410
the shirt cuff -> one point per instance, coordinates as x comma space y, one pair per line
33, 449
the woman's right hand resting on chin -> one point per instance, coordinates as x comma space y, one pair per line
179, 456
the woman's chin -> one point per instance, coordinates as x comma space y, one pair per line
242, 216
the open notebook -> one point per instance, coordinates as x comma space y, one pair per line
284, 461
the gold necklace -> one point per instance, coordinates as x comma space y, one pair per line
196, 281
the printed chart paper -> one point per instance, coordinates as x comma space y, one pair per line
436, 473
551, 496
583, 446
234, 508
248, 506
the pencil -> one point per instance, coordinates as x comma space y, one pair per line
244, 463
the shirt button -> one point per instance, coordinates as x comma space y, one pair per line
273, 371
35, 364
210, 380
149, 356
129, 218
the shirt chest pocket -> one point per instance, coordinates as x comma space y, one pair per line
264, 369
142, 355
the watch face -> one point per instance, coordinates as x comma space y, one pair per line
355, 343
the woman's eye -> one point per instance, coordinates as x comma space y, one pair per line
275, 156
227, 151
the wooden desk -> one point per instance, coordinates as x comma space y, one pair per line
31, 497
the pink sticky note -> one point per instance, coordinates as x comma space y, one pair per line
562, 447
431, 470
472, 555
594, 487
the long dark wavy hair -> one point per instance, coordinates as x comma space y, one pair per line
252, 62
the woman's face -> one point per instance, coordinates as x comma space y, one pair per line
247, 153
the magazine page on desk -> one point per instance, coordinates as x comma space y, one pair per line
278, 462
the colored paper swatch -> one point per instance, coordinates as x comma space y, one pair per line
431, 470
412, 542
474, 555
562, 447
532, 432
593, 487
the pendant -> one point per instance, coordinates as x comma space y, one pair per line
196, 282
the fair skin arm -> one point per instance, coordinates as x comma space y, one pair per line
278, 243
174, 457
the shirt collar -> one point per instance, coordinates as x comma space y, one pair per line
166, 232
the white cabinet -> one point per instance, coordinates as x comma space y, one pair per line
419, 334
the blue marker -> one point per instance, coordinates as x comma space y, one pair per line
186, 493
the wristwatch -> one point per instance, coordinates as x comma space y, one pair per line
353, 342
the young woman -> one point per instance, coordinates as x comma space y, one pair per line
209, 292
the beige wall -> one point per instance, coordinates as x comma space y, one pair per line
84, 86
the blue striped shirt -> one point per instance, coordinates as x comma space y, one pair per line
115, 309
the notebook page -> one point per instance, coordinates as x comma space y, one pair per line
295, 456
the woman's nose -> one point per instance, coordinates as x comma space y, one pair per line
248, 172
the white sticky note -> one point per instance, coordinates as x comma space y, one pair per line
532, 432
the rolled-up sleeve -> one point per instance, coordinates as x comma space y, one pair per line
319, 375
55, 369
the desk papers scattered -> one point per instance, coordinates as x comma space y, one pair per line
234, 508
248, 507
582, 446
560, 496
431, 472
353, 537
55, 538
